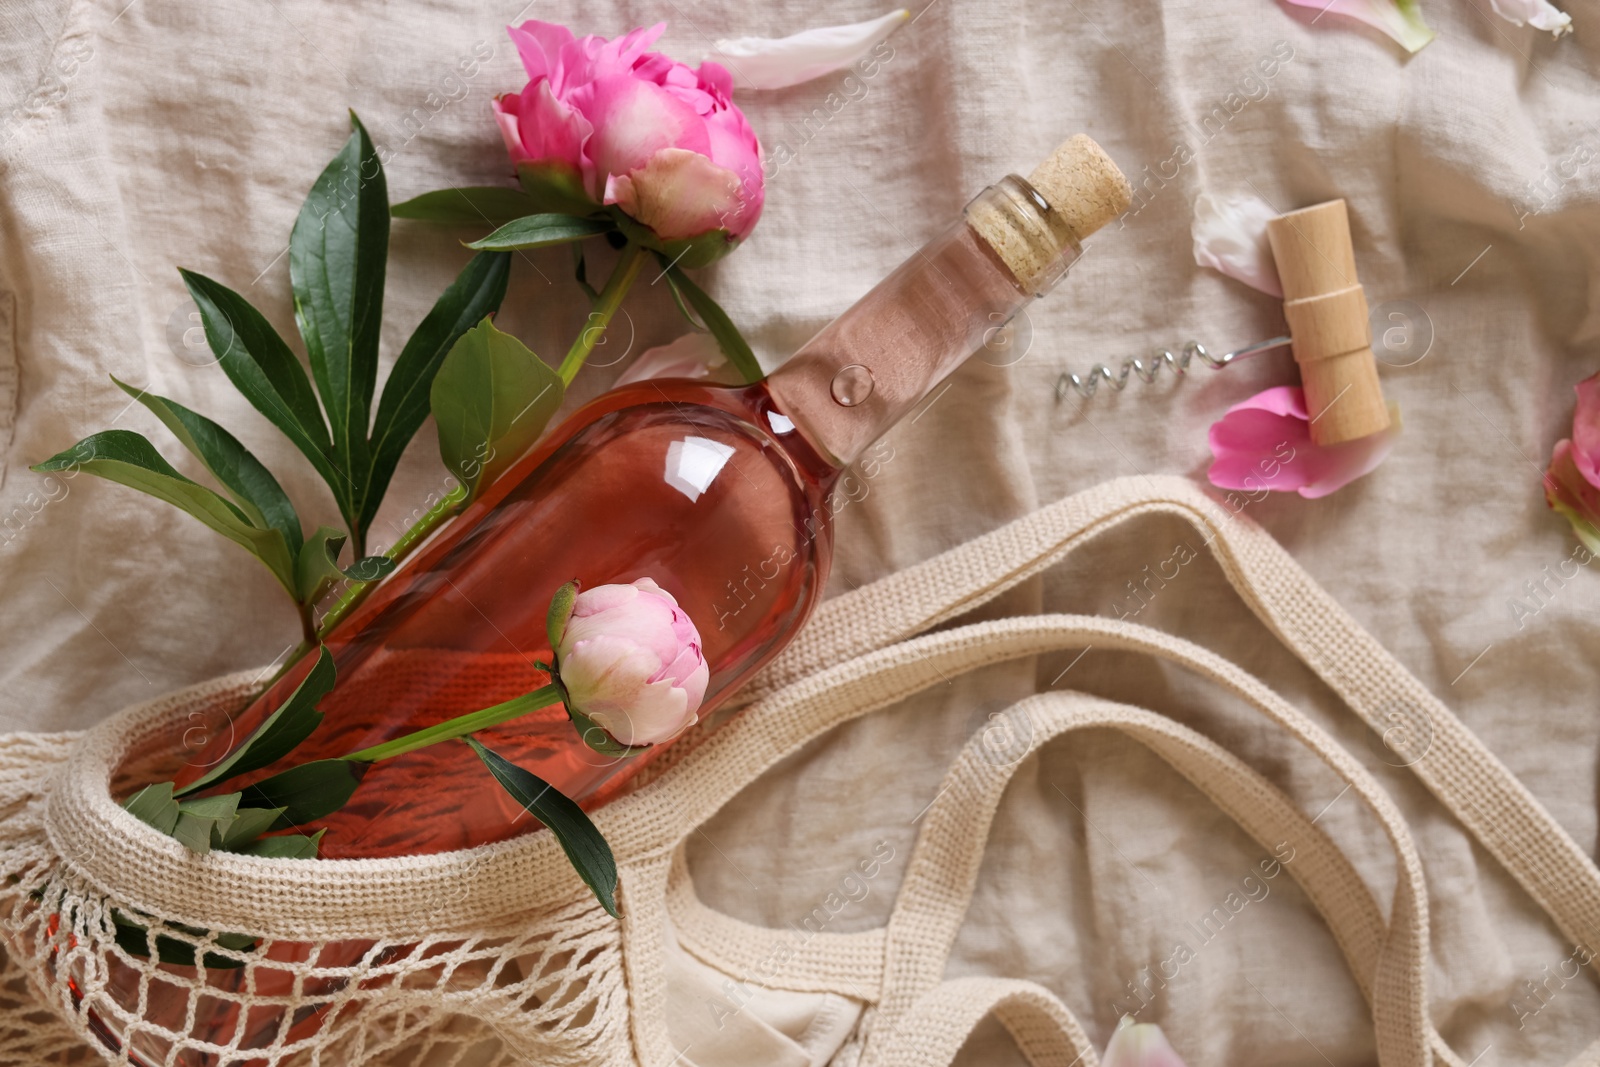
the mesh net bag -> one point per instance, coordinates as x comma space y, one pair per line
491, 956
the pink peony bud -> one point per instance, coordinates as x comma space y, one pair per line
630, 660
609, 123
1265, 443
1572, 483
1139, 1045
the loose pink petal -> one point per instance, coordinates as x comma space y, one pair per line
1265, 443
1586, 430
1280, 400
1336, 466
1400, 19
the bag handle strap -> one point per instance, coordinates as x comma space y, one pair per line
935, 1027
1390, 962
1449, 759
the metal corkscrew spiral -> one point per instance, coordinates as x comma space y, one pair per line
1148, 373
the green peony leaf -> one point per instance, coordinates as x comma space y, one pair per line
476, 293
286, 846
337, 255
251, 485
284, 729
491, 400
262, 367
248, 824
155, 806
580, 839
541, 231
580, 274
127, 458
204, 821
729, 339
318, 565
475, 206
689, 252
306, 793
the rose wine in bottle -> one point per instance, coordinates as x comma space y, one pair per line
719, 494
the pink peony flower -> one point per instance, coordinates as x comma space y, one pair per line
1265, 443
1572, 483
1139, 1045
631, 661
610, 123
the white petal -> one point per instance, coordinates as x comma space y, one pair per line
1230, 235
1139, 1045
1540, 14
694, 355
779, 62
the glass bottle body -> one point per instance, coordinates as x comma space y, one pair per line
708, 490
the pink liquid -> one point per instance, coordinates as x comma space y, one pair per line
706, 489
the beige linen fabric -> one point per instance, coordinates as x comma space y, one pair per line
139, 137
494, 953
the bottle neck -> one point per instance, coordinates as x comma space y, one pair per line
873, 365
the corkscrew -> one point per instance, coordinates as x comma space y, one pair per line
1179, 364
1329, 332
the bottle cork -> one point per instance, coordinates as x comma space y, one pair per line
1327, 313
1082, 185
1069, 196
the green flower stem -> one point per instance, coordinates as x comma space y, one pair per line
352, 598
308, 628
296, 654
462, 725
408, 542
622, 277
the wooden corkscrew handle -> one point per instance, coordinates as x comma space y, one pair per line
1327, 313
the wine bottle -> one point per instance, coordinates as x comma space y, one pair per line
719, 494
